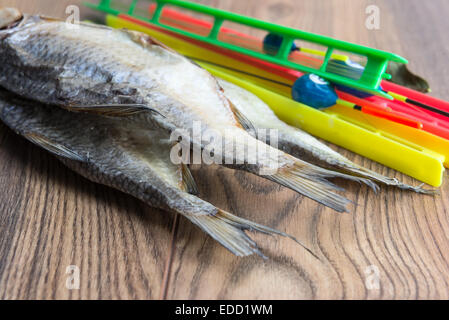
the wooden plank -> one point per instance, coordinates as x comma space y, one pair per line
51, 218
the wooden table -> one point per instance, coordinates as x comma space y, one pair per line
51, 218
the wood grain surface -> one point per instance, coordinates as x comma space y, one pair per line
51, 218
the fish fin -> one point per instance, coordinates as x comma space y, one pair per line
188, 183
145, 40
311, 181
228, 230
112, 110
53, 147
325, 173
242, 119
335, 161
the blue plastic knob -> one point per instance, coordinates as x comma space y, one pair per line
314, 92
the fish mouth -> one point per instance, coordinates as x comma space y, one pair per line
9, 18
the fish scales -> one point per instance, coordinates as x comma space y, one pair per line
117, 153
89, 57
59, 72
158, 78
108, 145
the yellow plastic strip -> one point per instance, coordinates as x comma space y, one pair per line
322, 53
384, 147
411, 159
420, 139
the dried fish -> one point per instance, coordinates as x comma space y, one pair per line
43, 60
134, 159
301, 144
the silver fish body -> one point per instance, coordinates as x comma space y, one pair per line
45, 61
117, 153
299, 143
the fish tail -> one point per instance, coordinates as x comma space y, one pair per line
336, 174
335, 161
314, 188
369, 174
311, 181
229, 231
